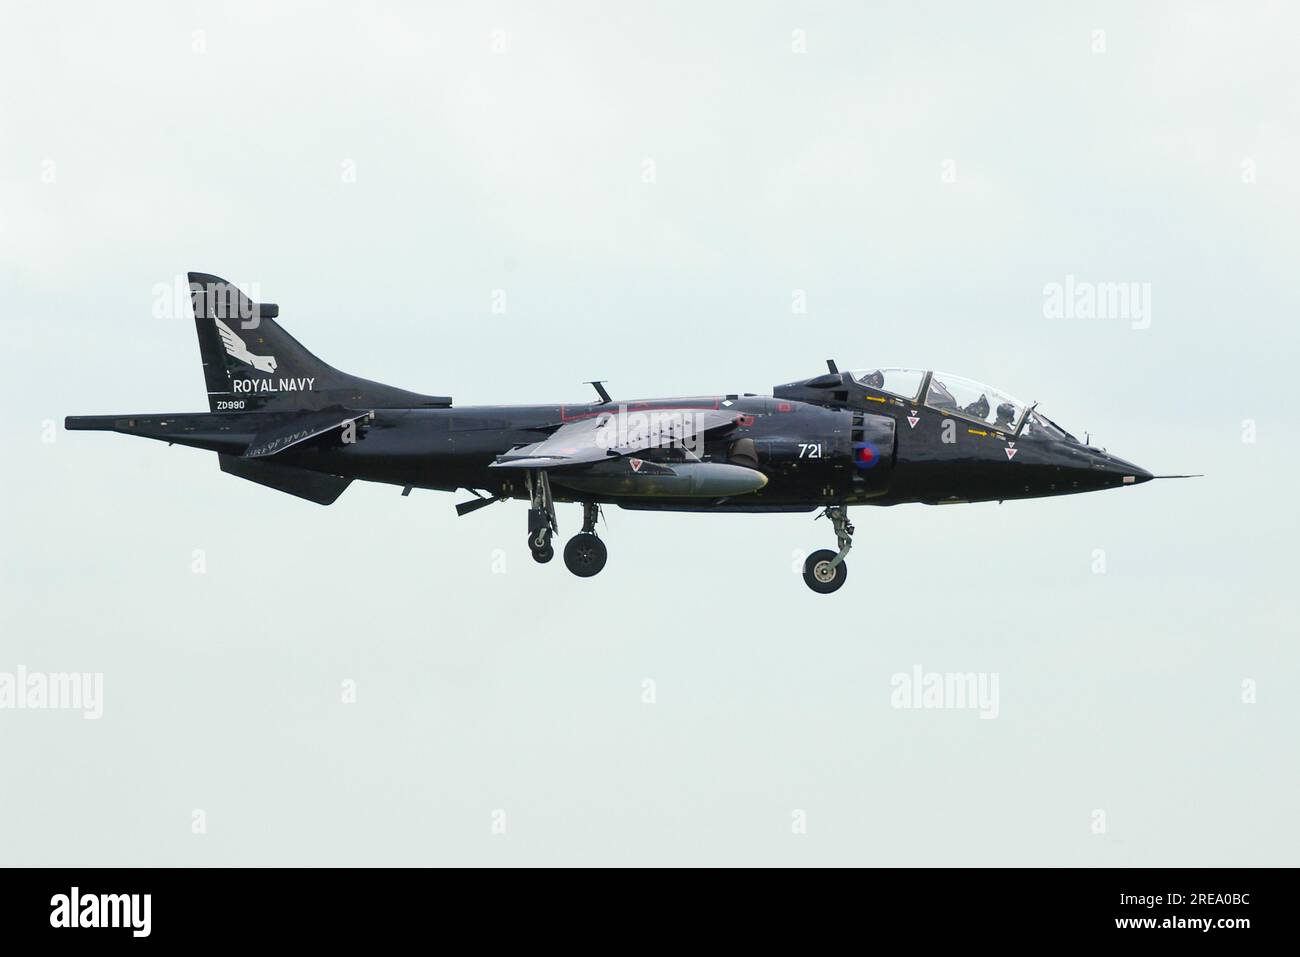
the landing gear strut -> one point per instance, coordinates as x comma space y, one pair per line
541, 517
585, 554
825, 571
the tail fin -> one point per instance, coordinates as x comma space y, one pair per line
250, 363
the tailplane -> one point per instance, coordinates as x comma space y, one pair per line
250, 363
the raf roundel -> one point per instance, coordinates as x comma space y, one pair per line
865, 455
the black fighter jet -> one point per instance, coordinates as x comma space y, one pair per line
282, 418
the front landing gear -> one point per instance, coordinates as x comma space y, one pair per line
825, 571
821, 575
585, 554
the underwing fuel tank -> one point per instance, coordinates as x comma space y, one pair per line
640, 477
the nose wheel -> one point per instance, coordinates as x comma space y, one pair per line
825, 571
821, 575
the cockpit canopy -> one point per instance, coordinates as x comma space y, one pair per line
957, 395
960, 396
904, 383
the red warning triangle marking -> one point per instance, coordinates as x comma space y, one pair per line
1011, 453
912, 420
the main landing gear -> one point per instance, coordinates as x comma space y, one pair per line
585, 554
825, 571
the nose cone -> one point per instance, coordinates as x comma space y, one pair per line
1123, 473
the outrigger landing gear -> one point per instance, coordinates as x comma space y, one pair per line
585, 554
539, 543
825, 571
541, 517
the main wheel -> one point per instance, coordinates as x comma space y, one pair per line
820, 575
585, 554
539, 543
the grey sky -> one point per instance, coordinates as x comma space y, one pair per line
653, 187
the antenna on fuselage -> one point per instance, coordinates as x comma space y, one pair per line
599, 386
834, 369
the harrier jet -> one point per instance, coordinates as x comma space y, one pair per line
280, 417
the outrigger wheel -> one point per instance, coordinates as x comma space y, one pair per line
541, 517
539, 543
825, 571
585, 554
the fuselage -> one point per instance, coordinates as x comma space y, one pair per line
283, 419
853, 447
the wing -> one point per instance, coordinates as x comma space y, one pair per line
613, 434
